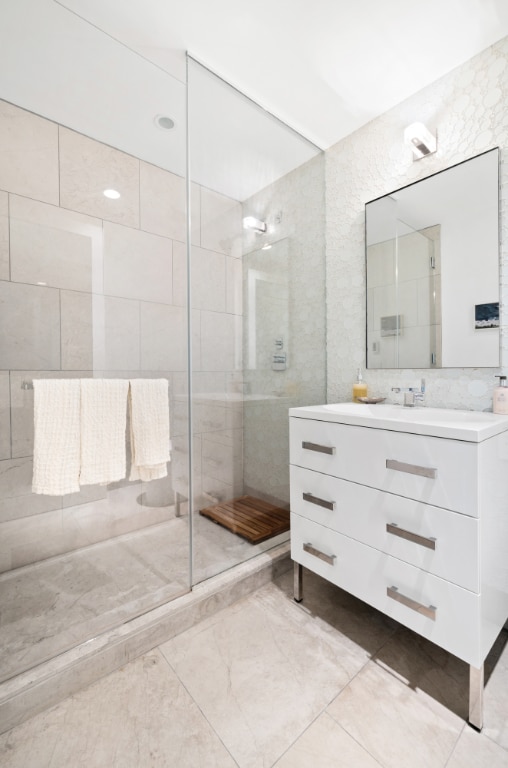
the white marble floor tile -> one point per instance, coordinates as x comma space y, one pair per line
495, 715
398, 725
476, 750
260, 671
326, 745
56, 604
138, 717
337, 611
425, 667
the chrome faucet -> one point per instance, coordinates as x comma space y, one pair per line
412, 395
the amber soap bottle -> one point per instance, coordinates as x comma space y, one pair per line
359, 388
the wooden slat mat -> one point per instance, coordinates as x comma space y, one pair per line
251, 518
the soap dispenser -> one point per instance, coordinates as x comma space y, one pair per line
500, 399
360, 388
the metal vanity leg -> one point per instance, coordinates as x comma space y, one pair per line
476, 697
298, 582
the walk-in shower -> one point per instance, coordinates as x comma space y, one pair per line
157, 281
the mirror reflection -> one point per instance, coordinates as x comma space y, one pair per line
432, 252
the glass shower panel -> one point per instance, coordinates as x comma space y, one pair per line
93, 287
258, 315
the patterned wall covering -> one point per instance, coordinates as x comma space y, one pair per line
469, 110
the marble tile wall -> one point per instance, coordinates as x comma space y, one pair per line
91, 286
294, 309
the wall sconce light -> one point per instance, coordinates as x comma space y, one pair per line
250, 222
420, 139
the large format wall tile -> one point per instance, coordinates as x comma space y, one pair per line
87, 168
222, 456
4, 236
208, 280
234, 286
121, 334
52, 246
218, 341
163, 337
5, 419
16, 497
30, 327
163, 204
137, 265
221, 223
216, 279
77, 326
28, 154
179, 274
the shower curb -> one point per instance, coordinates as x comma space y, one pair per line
44, 686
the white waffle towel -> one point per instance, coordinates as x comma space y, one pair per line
57, 436
149, 419
103, 427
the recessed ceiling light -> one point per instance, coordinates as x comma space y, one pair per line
266, 247
112, 194
164, 122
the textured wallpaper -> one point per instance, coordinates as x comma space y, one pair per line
468, 108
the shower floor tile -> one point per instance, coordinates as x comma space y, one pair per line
268, 683
55, 604
51, 606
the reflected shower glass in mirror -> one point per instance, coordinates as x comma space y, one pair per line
432, 252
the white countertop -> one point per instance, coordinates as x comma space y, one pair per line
472, 426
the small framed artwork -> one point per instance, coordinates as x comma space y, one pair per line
486, 315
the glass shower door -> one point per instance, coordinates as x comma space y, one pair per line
93, 286
257, 312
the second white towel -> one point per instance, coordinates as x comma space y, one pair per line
149, 419
103, 426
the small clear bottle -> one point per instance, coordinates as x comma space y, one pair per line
360, 388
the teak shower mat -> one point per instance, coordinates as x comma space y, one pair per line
251, 518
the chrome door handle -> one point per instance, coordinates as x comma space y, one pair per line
427, 610
329, 449
321, 555
424, 541
412, 469
319, 502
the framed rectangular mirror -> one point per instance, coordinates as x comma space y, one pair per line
432, 253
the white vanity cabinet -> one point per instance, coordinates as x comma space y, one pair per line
407, 509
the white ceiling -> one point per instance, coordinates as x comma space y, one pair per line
324, 68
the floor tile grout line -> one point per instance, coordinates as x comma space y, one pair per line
385, 671
459, 736
323, 710
158, 648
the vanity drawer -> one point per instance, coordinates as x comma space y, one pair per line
442, 612
439, 471
437, 540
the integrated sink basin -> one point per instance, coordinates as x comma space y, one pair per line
473, 426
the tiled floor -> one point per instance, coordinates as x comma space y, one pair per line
329, 683
58, 603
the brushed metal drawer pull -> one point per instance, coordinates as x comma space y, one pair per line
319, 502
429, 542
318, 448
427, 610
321, 555
412, 469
